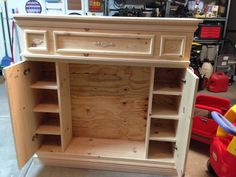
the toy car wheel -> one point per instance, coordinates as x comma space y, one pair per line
209, 167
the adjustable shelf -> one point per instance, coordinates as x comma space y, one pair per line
49, 126
167, 89
50, 108
48, 130
163, 130
49, 85
46, 101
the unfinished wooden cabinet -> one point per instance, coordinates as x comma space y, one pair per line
104, 93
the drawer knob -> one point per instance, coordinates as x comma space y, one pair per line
104, 44
37, 42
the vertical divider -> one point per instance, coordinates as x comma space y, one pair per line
63, 83
152, 74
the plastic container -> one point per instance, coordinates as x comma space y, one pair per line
207, 69
218, 82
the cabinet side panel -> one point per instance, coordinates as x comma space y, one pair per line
185, 121
21, 102
152, 73
63, 82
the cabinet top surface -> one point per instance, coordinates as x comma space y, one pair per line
107, 19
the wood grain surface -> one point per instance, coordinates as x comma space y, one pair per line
109, 101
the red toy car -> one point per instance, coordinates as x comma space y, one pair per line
204, 128
222, 160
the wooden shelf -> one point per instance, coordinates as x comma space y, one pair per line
107, 148
161, 151
50, 85
167, 89
48, 130
50, 108
164, 111
49, 126
163, 130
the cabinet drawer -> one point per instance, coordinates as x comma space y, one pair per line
36, 40
103, 43
172, 46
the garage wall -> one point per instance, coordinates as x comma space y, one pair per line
12, 4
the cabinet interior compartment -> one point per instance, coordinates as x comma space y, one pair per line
163, 130
165, 105
46, 101
49, 123
168, 81
46, 96
160, 150
50, 143
108, 110
43, 76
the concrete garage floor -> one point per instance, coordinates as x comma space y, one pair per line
196, 163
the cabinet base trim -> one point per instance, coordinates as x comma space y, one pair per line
110, 165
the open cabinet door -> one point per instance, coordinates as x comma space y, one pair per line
21, 102
185, 121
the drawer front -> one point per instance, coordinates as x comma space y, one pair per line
103, 43
36, 40
172, 47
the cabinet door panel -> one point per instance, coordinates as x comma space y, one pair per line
185, 121
21, 102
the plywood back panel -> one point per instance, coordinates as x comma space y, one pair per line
109, 101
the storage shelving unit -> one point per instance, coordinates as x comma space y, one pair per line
165, 93
45, 90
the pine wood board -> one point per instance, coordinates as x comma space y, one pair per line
48, 130
167, 89
64, 100
103, 148
101, 164
50, 108
24, 121
44, 85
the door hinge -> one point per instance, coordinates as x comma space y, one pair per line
175, 148
34, 137
27, 71
184, 110
182, 174
183, 81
